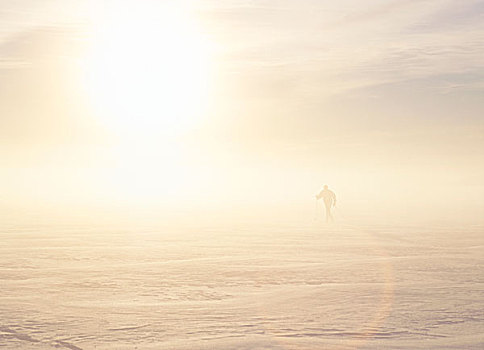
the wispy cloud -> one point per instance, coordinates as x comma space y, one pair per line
355, 44
30, 29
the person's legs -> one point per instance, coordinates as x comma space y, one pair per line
329, 217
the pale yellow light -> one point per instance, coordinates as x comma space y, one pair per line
147, 71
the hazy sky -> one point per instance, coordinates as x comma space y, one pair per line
383, 100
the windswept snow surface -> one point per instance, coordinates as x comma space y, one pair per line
244, 288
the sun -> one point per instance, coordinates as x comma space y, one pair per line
146, 74
147, 70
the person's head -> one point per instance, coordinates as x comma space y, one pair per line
325, 187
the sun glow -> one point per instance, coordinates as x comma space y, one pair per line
147, 70
146, 74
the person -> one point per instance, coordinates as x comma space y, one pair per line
329, 199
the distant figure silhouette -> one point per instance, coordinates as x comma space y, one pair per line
329, 199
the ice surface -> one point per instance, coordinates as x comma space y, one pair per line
244, 288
